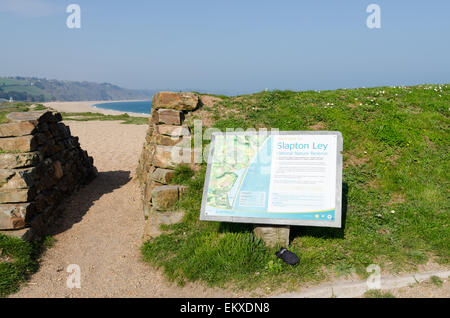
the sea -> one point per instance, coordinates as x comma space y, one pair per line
141, 107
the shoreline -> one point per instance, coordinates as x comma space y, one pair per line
88, 106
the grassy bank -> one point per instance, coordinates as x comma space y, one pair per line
88, 116
6, 108
395, 181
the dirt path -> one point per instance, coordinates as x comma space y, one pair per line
102, 228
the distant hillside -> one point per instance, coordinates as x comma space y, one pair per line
41, 90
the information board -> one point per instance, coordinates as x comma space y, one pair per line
284, 178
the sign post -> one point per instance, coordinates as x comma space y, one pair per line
274, 178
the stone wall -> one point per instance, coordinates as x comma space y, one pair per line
168, 142
40, 164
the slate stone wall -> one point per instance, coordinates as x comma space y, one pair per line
168, 142
40, 164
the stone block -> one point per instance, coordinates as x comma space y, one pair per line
27, 116
173, 131
177, 101
18, 144
172, 141
19, 160
153, 223
163, 157
151, 229
169, 218
13, 216
273, 235
26, 234
150, 185
58, 171
182, 190
164, 197
166, 140
15, 196
47, 117
169, 157
17, 179
5, 175
163, 175
169, 116
17, 129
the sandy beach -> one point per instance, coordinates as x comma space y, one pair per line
88, 106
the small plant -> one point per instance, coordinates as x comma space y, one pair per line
89, 116
40, 107
3, 118
48, 242
183, 174
436, 281
343, 269
375, 293
274, 267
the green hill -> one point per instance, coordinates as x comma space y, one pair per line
41, 90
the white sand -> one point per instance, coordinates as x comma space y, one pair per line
88, 106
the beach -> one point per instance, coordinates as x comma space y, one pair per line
88, 106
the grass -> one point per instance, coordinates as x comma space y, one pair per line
18, 260
374, 293
89, 116
395, 184
436, 281
40, 107
3, 118
6, 108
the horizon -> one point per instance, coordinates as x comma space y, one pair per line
218, 91
229, 48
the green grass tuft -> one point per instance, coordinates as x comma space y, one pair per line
18, 260
89, 116
374, 293
183, 175
436, 281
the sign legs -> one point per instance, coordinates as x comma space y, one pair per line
273, 235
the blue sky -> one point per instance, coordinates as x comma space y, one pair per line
234, 46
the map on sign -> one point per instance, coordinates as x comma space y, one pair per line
283, 178
228, 171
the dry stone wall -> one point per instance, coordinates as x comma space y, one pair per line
40, 164
167, 144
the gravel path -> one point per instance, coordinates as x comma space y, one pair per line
102, 228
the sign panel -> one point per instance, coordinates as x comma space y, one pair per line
290, 178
